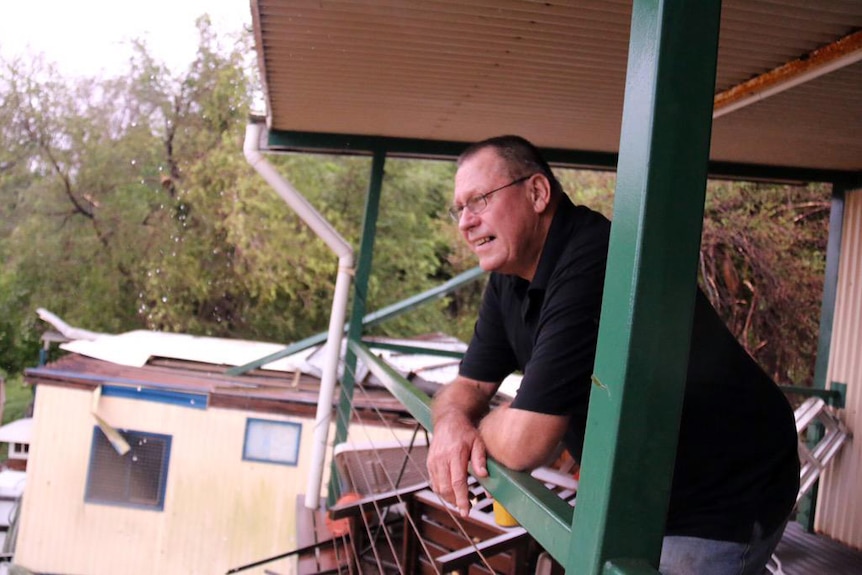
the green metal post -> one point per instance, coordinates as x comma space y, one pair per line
645, 328
830, 284
808, 504
360, 293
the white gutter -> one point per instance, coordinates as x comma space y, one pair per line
344, 251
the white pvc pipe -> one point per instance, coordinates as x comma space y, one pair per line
332, 353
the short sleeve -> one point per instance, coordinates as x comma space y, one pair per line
489, 356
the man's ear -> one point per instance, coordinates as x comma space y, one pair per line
540, 193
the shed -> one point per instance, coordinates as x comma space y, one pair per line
147, 457
17, 434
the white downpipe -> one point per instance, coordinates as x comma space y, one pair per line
344, 251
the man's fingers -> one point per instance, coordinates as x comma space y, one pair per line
441, 484
478, 458
459, 490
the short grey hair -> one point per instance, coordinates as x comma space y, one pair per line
520, 155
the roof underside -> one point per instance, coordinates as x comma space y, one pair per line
554, 72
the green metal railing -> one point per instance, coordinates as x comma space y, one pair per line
537, 508
369, 320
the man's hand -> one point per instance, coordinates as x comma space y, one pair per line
456, 442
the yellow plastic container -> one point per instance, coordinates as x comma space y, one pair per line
503, 517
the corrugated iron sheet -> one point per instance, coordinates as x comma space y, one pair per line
839, 512
446, 69
551, 71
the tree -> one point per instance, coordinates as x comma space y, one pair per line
127, 204
762, 266
90, 177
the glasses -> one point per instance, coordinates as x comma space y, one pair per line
477, 204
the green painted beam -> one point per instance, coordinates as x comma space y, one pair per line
407, 147
642, 354
288, 350
413, 302
807, 507
831, 396
541, 512
442, 149
360, 297
369, 320
793, 175
830, 284
625, 567
415, 349
547, 517
414, 399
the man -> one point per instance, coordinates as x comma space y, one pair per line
737, 469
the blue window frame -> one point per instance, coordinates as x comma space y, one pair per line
271, 441
136, 479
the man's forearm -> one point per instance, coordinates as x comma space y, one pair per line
461, 398
519, 439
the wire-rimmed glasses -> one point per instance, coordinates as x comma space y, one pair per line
477, 204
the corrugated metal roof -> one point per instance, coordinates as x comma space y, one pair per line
551, 71
194, 364
257, 391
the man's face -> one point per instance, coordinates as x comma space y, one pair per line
504, 235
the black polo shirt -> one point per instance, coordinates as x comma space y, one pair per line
736, 461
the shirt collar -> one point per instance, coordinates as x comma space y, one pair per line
555, 243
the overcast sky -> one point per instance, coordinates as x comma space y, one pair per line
91, 37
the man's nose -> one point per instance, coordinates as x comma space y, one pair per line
467, 219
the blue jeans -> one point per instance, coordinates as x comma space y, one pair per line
696, 556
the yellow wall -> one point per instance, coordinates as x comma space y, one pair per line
220, 511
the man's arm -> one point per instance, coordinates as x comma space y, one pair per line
521, 439
455, 413
517, 438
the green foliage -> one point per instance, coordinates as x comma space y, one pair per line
19, 400
589, 188
127, 204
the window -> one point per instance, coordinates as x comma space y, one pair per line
136, 479
272, 441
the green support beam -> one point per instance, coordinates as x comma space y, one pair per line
360, 296
372, 319
807, 507
626, 567
414, 399
642, 355
283, 141
414, 349
830, 284
415, 301
413, 148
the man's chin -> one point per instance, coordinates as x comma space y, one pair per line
489, 265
